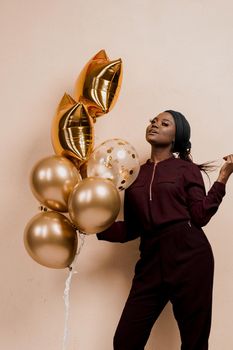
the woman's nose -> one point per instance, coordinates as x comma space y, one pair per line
154, 124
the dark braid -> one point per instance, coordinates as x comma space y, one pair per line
182, 145
205, 167
185, 155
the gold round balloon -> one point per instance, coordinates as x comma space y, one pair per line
72, 130
94, 205
98, 84
52, 180
51, 240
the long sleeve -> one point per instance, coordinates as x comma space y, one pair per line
122, 231
202, 206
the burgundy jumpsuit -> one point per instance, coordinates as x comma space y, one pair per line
166, 207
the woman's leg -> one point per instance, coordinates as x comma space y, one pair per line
136, 322
145, 302
192, 294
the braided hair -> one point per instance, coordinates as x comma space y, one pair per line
182, 144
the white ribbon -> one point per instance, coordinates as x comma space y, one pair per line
66, 296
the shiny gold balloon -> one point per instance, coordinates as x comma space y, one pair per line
94, 204
98, 84
52, 180
51, 240
72, 130
117, 160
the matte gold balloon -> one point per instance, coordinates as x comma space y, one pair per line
117, 160
52, 180
51, 240
72, 130
99, 83
94, 204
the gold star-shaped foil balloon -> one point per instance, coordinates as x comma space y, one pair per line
98, 84
96, 91
72, 130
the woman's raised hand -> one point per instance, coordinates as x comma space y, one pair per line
226, 169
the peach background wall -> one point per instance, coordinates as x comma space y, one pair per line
177, 54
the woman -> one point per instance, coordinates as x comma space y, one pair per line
167, 206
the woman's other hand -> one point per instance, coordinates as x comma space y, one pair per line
226, 169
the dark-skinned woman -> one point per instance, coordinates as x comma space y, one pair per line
166, 207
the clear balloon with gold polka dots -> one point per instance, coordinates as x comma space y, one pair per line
116, 160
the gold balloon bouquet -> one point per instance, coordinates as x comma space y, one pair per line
77, 179
50, 237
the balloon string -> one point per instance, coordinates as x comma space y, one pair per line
67, 302
66, 296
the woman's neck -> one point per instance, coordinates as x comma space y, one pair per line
157, 155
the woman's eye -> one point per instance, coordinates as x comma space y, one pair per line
165, 124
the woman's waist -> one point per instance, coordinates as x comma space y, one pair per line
155, 225
166, 233
161, 229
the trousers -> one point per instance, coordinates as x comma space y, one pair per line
176, 265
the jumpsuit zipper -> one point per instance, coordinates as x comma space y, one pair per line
152, 179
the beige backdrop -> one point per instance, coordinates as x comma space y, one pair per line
177, 54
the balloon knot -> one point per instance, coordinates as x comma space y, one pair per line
43, 208
74, 226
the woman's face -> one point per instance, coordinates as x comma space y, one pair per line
161, 130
